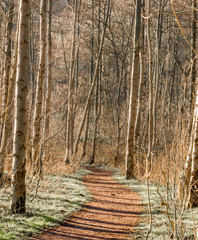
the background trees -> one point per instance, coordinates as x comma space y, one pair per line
82, 57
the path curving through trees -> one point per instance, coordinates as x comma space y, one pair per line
113, 212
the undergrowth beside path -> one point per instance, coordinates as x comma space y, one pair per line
163, 216
58, 197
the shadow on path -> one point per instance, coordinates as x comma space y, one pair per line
112, 214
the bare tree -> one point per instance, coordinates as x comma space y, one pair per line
7, 88
39, 89
129, 161
49, 68
20, 120
70, 117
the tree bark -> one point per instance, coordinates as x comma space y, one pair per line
192, 187
20, 120
70, 117
150, 127
7, 89
39, 89
49, 68
129, 160
188, 183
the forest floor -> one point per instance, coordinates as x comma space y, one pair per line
113, 212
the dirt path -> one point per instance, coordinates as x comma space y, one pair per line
113, 212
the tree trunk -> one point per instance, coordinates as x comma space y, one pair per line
39, 89
156, 75
188, 182
140, 90
129, 161
49, 68
97, 105
20, 117
70, 117
7, 89
192, 200
150, 127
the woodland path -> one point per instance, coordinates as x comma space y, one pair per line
113, 212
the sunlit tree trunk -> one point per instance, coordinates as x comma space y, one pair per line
140, 89
49, 68
39, 89
150, 127
192, 187
70, 117
193, 55
138, 121
129, 161
156, 71
120, 78
7, 88
97, 105
188, 188
20, 116
97, 110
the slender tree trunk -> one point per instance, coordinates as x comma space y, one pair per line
193, 55
120, 78
39, 89
188, 183
156, 78
97, 112
7, 90
139, 106
150, 127
20, 119
49, 68
97, 105
129, 161
70, 117
140, 89
86, 135
192, 187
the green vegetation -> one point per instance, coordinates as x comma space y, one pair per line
57, 198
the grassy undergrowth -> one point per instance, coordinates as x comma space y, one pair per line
162, 217
57, 198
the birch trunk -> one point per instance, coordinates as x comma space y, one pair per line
156, 78
97, 105
140, 90
193, 55
39, 88
188, 184
150, 128
192, 187
97, 112
129, 160
20, 117
70, 117
7, 89
49, 68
